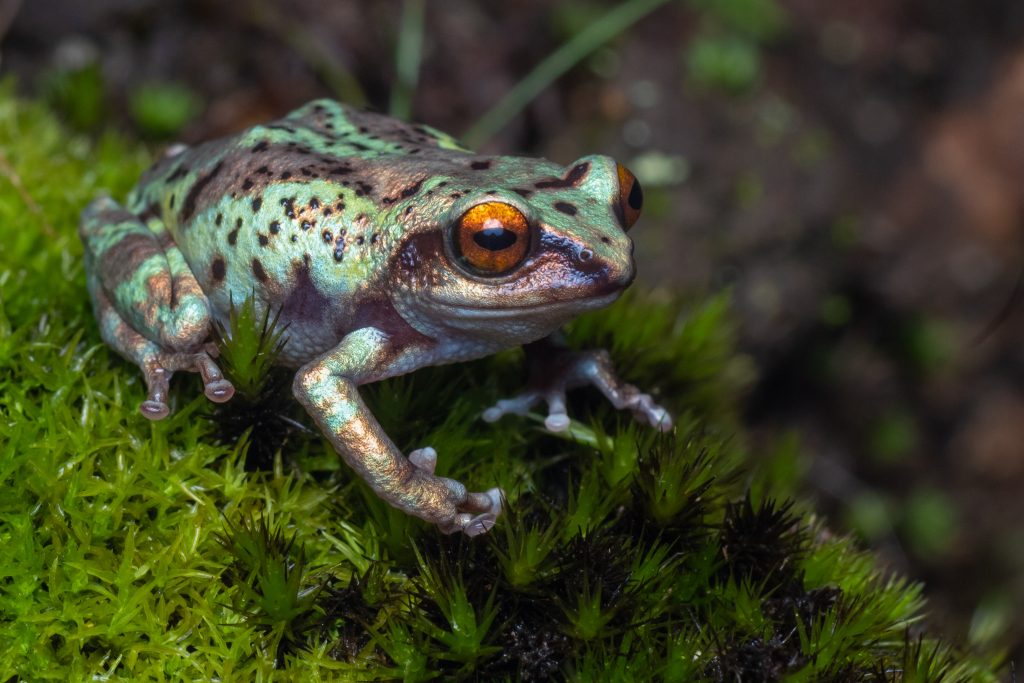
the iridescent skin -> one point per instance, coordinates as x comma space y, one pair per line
341, 220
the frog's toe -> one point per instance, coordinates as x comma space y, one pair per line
157, 382
478, 513
480, 524
216, 387
557, 419
154, 410
653, 414
424, 459
645, 410
518, 405
597, 369
488, 502
219, 391
556, 423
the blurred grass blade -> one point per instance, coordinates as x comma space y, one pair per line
407, 58
561, 60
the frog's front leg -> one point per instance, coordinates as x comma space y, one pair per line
148, 303
328, 388
554, 369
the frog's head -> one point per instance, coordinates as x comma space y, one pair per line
536, 245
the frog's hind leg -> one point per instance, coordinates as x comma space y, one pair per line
149, 305
158, 366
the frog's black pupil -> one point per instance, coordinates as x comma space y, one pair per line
636, 196
495, 239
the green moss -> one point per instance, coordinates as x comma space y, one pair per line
145, 551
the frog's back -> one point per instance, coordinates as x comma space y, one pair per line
291, 211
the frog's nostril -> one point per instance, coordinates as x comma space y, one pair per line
585, 255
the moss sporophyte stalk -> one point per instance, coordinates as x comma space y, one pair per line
144, 550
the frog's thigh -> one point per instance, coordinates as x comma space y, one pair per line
145, 276
149, 305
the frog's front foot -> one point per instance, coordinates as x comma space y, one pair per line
556, 370
159, 367
446, 502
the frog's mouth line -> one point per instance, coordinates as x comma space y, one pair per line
570, 305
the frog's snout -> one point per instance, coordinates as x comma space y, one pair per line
611, 273
621, 272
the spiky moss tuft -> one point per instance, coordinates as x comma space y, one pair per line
262, 412
145, 551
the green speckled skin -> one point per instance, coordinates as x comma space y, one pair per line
343, 221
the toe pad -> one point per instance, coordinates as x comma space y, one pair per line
154, 410
219, 391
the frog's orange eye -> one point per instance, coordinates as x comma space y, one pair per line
631, 197
492, 238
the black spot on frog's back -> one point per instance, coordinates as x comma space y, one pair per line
571, 179
178, 174
411, 189
257, 270
218, 269
188, 208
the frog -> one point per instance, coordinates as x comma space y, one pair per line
382, 247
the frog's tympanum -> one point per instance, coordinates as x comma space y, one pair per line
385, 247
